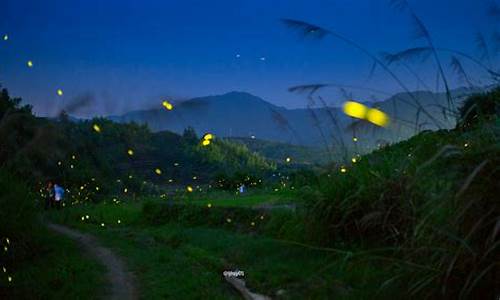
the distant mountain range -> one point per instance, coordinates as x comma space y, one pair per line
239, 114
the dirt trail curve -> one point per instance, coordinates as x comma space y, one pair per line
122, 281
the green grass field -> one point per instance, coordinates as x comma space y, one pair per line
57, 270
173, 261
247, 199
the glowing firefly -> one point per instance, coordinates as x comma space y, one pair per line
288, 159
209, 205
30, 64
158, 171
355, 109
205, 142
343, 169
5, 37
189, 188
130, 152
96, 128
167, 105
59, 92
208, 136
228, 220
377, 117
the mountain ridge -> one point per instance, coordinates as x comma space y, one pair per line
241, 114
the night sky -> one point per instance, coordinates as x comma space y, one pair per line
131, 54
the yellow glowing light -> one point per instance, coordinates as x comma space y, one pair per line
158, 171
125, 190
205, 142
377, 117
208, 136
9, 278
466, 145
30, 64
96, 128
354, 139
102, 224
130, 152
253, 223
354, 109
96, 188
228, 220
194, 177
7, 240
71, 166
189, 188
59, 92
288, 159
87, 217
130, 176
209, 205
262, 217
5, 37
83, 218
343, 169
73, 157
59, 163
4, 269
119, 221
167, 105
354, 160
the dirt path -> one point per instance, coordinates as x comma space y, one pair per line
121, 281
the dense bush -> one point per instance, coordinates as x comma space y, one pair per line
429, 202
480, 107
20, 237
279, 224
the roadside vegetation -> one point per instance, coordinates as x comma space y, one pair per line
416, 218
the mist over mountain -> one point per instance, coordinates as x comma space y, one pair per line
239, 114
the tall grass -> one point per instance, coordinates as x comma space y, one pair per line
425, 207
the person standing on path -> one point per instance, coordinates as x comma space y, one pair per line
59, 194
49, 196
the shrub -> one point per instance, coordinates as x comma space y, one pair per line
479, 107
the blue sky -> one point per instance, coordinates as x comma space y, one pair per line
131, 54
